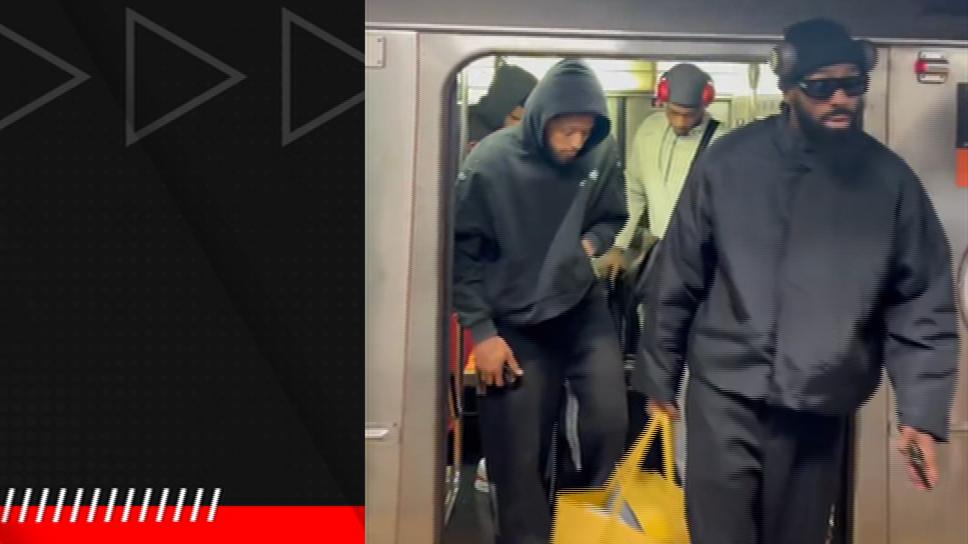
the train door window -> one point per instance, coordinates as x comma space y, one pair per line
744, 92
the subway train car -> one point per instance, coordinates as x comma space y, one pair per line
429, 61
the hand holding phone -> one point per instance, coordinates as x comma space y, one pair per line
918, 449
496, 364
916, 459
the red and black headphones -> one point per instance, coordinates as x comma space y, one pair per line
662, 92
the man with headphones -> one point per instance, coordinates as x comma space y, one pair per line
664, 148
803, 258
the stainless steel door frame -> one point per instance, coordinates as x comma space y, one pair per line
390, 102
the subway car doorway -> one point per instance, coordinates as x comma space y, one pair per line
745, 92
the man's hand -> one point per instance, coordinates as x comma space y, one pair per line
588, 246
670, 410
490, 356
924, 441
613, 263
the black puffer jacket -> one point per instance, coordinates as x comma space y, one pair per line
787, 279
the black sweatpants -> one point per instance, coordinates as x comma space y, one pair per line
516, 422
758, 474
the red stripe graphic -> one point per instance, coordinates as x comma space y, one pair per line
235, 524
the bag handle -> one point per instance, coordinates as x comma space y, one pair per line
658, 423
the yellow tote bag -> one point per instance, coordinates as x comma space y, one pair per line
634, 507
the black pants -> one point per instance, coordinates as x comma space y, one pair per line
758, 474
516, 422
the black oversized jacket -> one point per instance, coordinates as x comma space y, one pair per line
521, 216
782, 281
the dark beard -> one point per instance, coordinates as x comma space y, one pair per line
840, 149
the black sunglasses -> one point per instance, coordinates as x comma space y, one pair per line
823, 89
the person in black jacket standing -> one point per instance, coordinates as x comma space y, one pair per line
535, 203
803, 257
502, 106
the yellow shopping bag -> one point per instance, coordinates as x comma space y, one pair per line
634, 507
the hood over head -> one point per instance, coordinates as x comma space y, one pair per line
509, 88
569, 87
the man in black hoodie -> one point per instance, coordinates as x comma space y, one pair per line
502, 106
536, 202
802, 259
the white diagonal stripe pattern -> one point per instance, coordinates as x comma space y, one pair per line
26, 503
161, 505
211, 511
77, 504
60, 504
127, 505
94, 498
43, 503
8, 504
144, 506
45, 500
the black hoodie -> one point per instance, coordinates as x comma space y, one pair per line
521, 215
509, 89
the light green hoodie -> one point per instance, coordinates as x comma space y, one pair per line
656, 171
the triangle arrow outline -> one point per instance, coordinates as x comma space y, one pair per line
133, 18
288, 134
77, 77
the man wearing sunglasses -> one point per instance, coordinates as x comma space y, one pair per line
802, 258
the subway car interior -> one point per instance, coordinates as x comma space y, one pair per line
426, 471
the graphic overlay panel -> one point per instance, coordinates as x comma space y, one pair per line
182, 340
